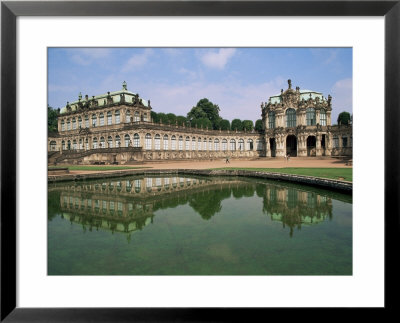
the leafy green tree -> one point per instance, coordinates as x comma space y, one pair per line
163, 117
237, 125
248, 125
52, 119
202, 123
259, 125
154, 117
225, 124
181, 120
343, 118
205, 109
171, 118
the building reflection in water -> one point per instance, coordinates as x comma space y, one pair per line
127, 205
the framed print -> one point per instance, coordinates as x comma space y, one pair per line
41, 278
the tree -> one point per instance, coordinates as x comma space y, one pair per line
225, 124
205, 109
163, 117
201, 123
237, 125
181, 120
259, 125
154, 117
52, 119
343, 118
171, 118
248, 125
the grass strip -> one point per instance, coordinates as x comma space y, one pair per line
332, 173
97, 168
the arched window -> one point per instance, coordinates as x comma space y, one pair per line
94, 143
128, 116
73, 123
187, 143
290, 118
310, 116
101, 119
127, 139
87, 143
109, 118
80, 122
173, 143
259, 144
216, 144
322, 117
94, 120
80, 144
249, 144
157, 142
63, 145
145, 116
180, 143
210, 144
102, 142
232, 145
117, 117
68, 124
136, 140
62, 125
53, 145
117, 141
205, 144
69, 145
137, 116
199, 144
147, 141
241, 144
165, 142
110, 142
271, 120
86, 121
193, 143
224, 144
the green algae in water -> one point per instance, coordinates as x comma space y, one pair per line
197, 226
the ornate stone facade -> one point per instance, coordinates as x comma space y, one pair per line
117, 128
298, 123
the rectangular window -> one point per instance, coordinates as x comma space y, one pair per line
335, 142
344, 142
62, 126
86, 122
117, 118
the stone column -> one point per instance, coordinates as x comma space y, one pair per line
318, 145
267, 148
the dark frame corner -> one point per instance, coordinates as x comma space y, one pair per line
10, 10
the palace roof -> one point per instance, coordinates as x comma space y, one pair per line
102, 99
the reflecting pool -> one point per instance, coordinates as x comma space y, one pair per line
176, 225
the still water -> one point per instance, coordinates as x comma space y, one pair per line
197, 226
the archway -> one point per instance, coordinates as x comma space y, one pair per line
291, 145
272, 146
311, 146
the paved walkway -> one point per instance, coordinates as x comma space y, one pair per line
259, 163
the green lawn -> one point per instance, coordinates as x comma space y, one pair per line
97, 168
333, 173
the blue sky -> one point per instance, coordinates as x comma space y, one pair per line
175, 79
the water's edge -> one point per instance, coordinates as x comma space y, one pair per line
342, 186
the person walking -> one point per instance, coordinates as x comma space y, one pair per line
227, 160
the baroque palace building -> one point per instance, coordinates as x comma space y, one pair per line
117, 128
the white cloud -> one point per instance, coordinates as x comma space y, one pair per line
218, 59
138, 60
86, 56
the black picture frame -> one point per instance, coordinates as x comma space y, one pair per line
10, 10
